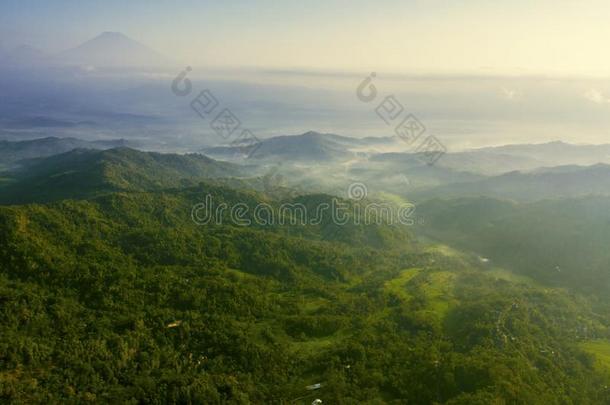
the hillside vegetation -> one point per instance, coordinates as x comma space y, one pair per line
109, 292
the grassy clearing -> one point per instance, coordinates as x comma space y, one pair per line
393, 198
398, 285
313, 305
445, 251
314, 346
240, 275
599, 348
438, 290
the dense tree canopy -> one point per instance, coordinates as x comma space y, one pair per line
122, 298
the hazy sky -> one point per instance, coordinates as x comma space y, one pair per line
475, 72
477, 36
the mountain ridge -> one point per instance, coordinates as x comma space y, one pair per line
13, 152
81, 173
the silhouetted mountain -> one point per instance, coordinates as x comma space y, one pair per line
111, 49
311, 145
554, 153
488, 162
504, 159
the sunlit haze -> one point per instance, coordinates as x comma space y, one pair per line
560, 37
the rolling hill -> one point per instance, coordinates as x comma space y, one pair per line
82, 172
12, 152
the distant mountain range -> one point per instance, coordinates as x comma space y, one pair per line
544, 183
503, 159
331, 161
43, 122
109, 49
554, 150
315, 146
516, 171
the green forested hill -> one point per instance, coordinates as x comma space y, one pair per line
122, 298
11, 153
84, 173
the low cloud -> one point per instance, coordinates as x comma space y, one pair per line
510, 94
597, 97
